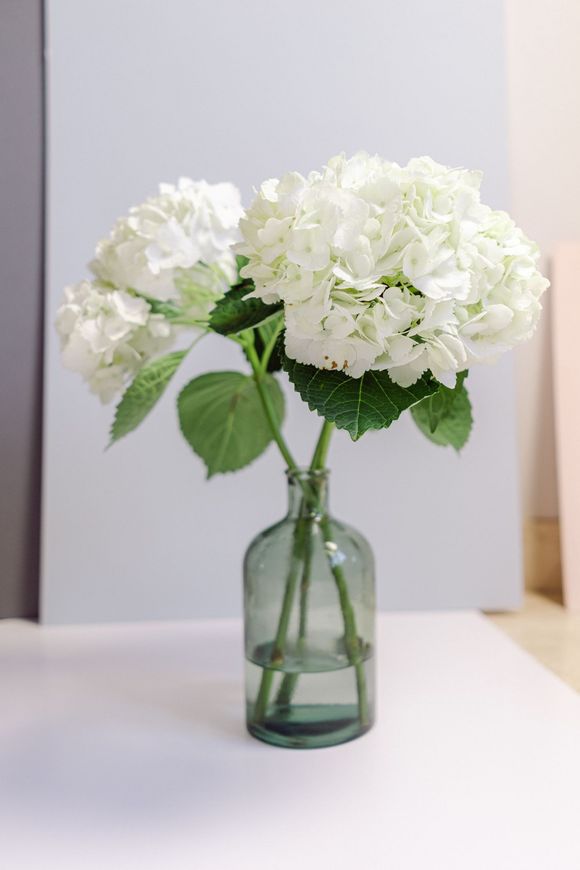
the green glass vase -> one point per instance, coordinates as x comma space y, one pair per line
309, 603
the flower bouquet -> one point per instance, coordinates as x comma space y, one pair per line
373, 287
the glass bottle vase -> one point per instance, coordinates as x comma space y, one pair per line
309, 604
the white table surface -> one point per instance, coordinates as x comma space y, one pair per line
124, 747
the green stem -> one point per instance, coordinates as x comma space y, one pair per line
197, 339
184, 320
268, 406
322, 445
352, 640
288, 685
351, 635
277, 657
264, 690
268, 349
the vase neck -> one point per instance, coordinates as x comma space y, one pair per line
307, 493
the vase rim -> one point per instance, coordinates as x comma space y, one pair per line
304, 473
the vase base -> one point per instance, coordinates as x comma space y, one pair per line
310, 726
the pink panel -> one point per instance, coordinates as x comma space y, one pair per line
566, 345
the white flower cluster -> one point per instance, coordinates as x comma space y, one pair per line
106, 335
176, 246
154, 247
388, 267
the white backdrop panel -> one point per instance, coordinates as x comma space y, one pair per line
141, 91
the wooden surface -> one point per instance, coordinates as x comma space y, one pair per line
549, 632
123, 747
565, 322
542, 559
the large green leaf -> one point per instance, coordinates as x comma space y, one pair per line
143, 393
232, 313
222, 418
445, 417
373, 401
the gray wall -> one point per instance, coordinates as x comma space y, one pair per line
145, 90
21, 219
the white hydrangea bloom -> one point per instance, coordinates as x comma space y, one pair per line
388, 267
106, 335
162, 242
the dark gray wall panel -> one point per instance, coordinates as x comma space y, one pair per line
21, 219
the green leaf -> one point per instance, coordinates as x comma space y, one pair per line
222, 419
233, 313
143, 393
355, 404
439, 405
445, 417
241, 261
